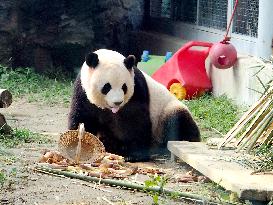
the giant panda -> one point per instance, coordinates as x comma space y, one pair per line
132, 114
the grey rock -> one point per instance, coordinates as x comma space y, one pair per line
46, 34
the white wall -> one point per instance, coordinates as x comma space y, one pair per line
239, 82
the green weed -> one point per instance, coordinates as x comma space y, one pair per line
6, 157
215, 191
2, 178
265, 156
156, 180
8, 178
24, 82
20, 136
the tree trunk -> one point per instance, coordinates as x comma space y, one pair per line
4, 127
5, 98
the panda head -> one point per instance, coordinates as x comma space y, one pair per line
107, 78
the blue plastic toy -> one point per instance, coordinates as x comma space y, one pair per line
168, 56
145, 56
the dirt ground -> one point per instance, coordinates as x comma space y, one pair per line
29, 187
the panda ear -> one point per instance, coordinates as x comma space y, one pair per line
129, 62
92, 59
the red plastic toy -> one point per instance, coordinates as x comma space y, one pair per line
187, 67
223, 55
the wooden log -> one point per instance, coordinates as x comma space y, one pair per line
5, 98
4, 127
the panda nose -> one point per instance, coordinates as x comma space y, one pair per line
118, 103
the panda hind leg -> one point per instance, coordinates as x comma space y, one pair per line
179, 125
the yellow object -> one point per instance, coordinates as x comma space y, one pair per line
178, 90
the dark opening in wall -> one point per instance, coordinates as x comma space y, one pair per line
186, 11
246, 18
213, 14
210, 13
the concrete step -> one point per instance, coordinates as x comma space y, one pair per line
221, 167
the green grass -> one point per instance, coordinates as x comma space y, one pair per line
20, 136
23, 82
152, 65
6, 160
211, 113
214, 113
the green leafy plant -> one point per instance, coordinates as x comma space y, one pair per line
8, 178
2, 178
156, 180
265, 156
20, 136
214, 190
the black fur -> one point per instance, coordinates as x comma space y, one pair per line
180, 126
176, 126
127, 132
82, 111
106, 88
129, 62
92, 59
124, 88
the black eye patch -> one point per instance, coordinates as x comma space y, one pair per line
124, 88
106, 88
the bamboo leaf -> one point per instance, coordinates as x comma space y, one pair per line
259, 79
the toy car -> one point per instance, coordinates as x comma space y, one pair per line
184, 74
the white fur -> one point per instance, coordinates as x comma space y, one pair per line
162, 103
93, 79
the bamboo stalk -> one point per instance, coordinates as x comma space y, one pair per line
268, 135
261, 125
269, 139
129, 185
263, 103
261, 114
244, 119
253, 141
